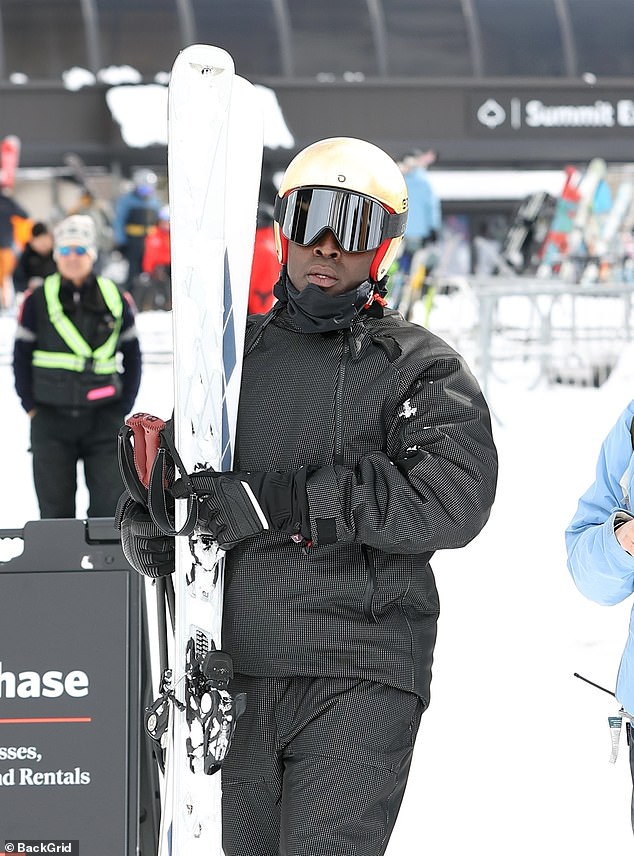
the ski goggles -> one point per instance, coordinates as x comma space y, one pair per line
66, 251
358, 222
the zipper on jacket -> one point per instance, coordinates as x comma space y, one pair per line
338, 459
368, 596
368, 560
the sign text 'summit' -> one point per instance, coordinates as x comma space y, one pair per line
601, 114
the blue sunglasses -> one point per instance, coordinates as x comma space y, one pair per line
66, 251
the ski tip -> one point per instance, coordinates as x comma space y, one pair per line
207, 60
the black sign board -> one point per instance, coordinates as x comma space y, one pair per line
70, 691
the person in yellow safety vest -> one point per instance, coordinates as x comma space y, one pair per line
77, 368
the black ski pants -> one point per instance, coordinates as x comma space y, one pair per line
59, 439
318, 767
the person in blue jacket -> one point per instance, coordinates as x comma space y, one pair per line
600, 547
424, 219
136, 213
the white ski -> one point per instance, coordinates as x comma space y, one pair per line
214, 163
593, 176
605, 250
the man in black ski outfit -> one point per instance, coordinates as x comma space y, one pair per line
364, 444
36, 261
70, 330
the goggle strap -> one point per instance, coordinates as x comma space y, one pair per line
279, 208
395, 224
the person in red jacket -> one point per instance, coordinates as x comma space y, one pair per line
9, 209
157, 258
266, 267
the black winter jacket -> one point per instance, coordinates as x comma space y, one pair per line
399, 435
32, 264
87, 310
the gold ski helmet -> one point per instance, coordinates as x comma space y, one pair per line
349, 186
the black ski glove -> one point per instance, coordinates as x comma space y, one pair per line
146, 548
235, 506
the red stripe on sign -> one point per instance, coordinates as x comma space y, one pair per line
24, 721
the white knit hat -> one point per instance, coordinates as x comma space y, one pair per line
78, 230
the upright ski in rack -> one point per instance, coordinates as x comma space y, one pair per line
580, 234
605, 254
9, 160
520, 235
555, 247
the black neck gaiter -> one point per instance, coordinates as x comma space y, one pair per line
315, 311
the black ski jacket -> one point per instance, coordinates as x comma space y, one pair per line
399, 436
32, 264
86, 309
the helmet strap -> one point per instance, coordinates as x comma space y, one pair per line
284, 246
375, 306
378, 259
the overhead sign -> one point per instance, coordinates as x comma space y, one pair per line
553, 111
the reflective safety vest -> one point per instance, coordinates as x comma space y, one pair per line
102, 360
81, 376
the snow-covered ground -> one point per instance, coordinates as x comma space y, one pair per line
512, 755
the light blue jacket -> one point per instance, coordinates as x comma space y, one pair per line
423, 210
602, 570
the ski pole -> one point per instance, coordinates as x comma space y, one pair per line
161, 606
171, 600
592, 683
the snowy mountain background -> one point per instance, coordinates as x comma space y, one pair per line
513, 754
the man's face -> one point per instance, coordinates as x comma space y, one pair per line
43, 243
326, 265
73, 265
